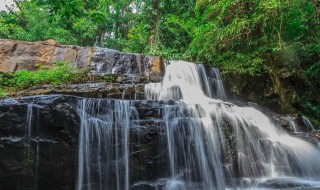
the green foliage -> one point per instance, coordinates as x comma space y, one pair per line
233, 62
313, 73
137, 38
107, 78
77, 22
60, 73
2, 93
32, 24
252, 36
310, 107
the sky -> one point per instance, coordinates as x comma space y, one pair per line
3, 4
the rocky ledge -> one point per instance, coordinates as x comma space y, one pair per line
127, 91
20, 55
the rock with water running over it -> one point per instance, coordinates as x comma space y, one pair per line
39, 142
284, 183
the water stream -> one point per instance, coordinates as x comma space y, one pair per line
307, 123
300, 124
104, 144
211, 143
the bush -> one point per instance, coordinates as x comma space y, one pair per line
313, 74
309, 106
59, 73
2, 93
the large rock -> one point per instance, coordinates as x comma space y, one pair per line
19, 55
39, 143
278, 92
115, 62
38, 148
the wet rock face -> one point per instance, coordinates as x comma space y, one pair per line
19, 55
242, 88
39, 143
283, 183
278, 92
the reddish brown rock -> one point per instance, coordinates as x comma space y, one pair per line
157, 67
19, 55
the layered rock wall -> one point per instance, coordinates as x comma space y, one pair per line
19, 55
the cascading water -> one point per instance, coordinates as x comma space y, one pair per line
29, 121
292, 124
29, 153
217, 145
186, 81
307, 123
211, 144
103, 161
300, 124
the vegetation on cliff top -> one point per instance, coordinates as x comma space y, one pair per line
247, 37
58, 73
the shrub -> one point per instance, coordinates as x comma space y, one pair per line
59, 73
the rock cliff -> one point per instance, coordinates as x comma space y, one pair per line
20, 55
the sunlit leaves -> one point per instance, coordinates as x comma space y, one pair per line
246, 35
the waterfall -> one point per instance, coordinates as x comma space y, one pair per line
31, 142
103, 161
29, 121
185, 81
300, 124
292, 124
307, 123
218, 83
211, 143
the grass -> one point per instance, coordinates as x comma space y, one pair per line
58, 73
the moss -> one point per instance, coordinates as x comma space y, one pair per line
107, 78
3, 94
56, 74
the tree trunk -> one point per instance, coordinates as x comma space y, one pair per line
154, 33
